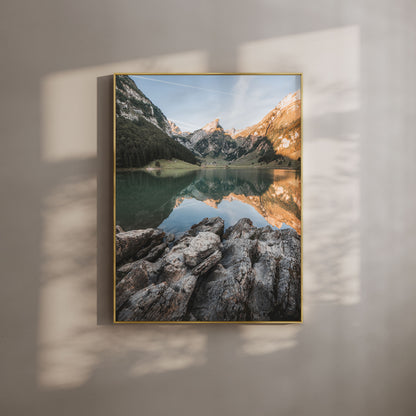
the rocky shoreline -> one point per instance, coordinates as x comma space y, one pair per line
243, 274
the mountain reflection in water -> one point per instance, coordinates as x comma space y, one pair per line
176, 202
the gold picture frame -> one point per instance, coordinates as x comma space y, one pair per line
267, 322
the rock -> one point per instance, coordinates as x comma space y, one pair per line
223, 294
207, 264
154, 303
188, 253
262, 299
252, 275
119, 229
155, 241
170, 238
124, 270
161, 302
191, 317
142, 273
288, 291
200, 247
242, 229
174, 267
161, 291
258, 278
156, 252
130, 243
152, 256
212, 140
214, 225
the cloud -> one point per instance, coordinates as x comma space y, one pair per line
251, 102
241, 89
239, 101
184, 85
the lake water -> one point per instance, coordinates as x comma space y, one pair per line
175, 200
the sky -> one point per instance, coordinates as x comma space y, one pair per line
239, 101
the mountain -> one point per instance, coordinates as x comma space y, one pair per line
232, 132
211, 141
175, 130
276, 198
276, 139
143, 133
215, 146
133, 105
148, 199
282, 126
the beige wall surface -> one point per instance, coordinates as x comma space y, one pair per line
354, 353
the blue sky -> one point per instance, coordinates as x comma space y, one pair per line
239, 101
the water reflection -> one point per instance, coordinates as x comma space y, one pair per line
175, 200
191, 211
144, 200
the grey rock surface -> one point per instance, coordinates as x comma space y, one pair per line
200, 247
130, 243
253, 274
214, 225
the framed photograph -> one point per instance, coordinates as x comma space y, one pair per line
207, 198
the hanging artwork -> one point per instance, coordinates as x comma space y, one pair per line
207, 198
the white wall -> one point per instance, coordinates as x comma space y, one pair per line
354, 354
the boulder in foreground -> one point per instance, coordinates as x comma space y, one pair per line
244, 274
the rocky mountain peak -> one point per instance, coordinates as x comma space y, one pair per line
175, 130
232, 132
132, 104
288, 100
212, 126
281, 126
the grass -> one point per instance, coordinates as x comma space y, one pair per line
246, 162
170, 164
176, 167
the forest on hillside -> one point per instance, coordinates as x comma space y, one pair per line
139, 142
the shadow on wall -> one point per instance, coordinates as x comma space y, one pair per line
77, 274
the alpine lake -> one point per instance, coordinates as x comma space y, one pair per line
174, 200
